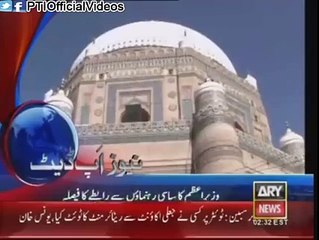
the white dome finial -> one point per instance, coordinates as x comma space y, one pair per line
287, 124
63, 81
59, 100
252, 81
290, 137
287, 127
48, 94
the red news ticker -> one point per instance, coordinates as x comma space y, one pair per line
148, 219
275, 209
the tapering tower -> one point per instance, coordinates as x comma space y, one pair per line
215, 142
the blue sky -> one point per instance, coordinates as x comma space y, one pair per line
264, 38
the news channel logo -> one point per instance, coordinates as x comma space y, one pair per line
40, 135
270, 200
12, 6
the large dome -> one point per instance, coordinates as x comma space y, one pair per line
155, 33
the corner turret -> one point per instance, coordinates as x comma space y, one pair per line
214, 140
292, 143
59, 100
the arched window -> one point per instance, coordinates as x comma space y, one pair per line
85, 109
187, 102
135, 113
85, 114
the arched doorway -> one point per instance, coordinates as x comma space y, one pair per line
135, 113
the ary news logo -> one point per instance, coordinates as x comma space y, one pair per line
12, 6
270, 200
